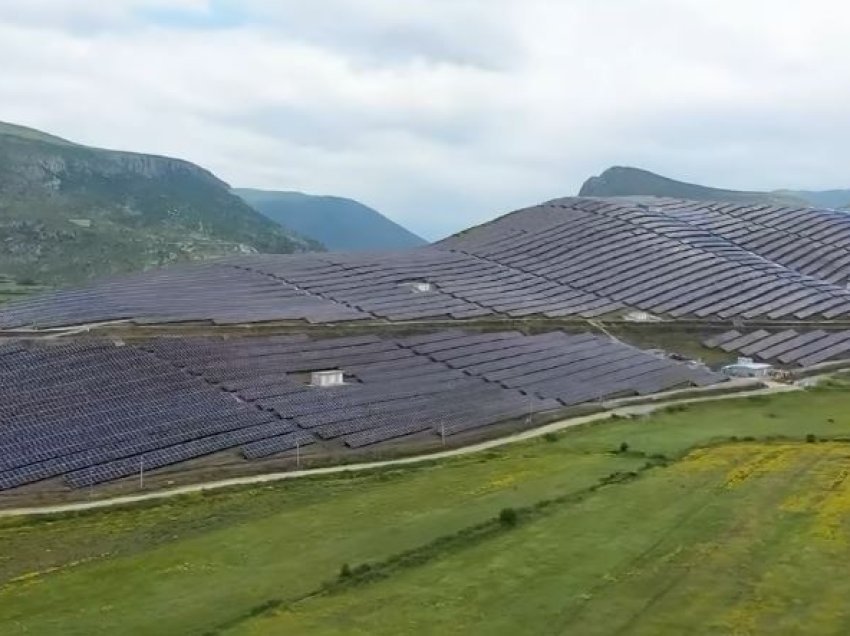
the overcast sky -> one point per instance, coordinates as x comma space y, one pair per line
443, 113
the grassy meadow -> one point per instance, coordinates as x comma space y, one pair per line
713, 518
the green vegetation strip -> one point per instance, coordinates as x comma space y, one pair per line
522, 539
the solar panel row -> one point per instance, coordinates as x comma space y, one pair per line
569, 257
786, 346
93, 411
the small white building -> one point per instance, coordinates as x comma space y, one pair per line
417, 286
331, 377
747, 368
640, 316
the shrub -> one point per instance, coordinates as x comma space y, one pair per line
624, 447
811, 439
362, 569
508, 517
345, 571
550, 437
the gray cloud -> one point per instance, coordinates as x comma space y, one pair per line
443, 113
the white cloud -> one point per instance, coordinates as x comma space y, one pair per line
442, 113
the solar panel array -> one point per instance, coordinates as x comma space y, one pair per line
678, 258
787, 346
570, 257
92, 411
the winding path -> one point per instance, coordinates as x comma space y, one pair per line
616, 407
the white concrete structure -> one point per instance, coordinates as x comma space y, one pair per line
418, 286
331, 377
640, 316
746, 368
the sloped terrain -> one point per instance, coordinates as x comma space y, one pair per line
69, 213
93, 412
621, 181
336, 222
822, 198
785, 346
688, 531
573, 257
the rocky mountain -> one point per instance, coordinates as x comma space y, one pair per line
625, 181
339, 223
69, 212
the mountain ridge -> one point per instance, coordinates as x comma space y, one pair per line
70, 212
338, 222
629, 181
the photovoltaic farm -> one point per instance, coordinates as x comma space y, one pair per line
94, 412
575, 419
786, 346
581, 258
568, 304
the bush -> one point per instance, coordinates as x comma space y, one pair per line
550, 437
362, 569
811, 439
345, 571
624, 447
508, 517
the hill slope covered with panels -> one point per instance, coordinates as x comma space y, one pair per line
574, 257
91, 411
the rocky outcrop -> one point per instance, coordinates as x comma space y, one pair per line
139, 211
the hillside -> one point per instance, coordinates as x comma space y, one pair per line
624, 181
602, 542
70, 212
340, 224
568, 257
822, 198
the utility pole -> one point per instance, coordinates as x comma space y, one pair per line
141, 472
297, 454
443, 432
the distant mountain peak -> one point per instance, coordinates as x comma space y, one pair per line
620, 181
339, 223
23, 132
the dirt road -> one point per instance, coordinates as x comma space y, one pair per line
624, 411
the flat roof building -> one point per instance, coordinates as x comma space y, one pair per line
747, 368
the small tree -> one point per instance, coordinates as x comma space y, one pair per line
811, 439
345, 571
624, 447
508, 517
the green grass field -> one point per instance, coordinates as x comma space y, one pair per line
725, 537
